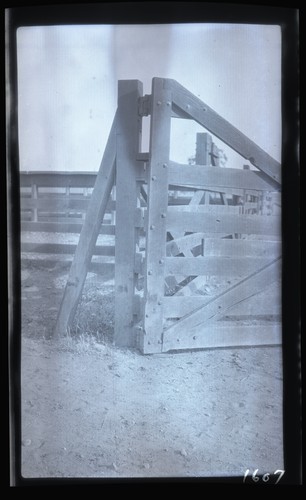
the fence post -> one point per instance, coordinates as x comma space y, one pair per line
128, 144
203, 149
156, 230
34, 197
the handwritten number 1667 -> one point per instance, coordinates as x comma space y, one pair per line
265, 477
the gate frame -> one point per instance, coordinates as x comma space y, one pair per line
139, 322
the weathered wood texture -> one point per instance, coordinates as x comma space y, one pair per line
219, 305
60, 204
63, 248
218, 178
128, 140
230, 135
90, 230
214, 266
62, 227
151, 336
225, 223
225, 335
266, 303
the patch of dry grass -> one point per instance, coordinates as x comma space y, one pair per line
94, 318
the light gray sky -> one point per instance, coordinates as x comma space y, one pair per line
67, 85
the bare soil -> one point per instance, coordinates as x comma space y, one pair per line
90, 409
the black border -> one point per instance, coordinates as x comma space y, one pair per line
176, 12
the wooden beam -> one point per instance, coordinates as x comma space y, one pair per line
62, 227
62, 248
216, 247
203, 149
63, 179
53, 204
220, 304
265, 303
207, 209
106, 269
225, 336
127, 168
218, 178
214, 266
90, 230
213, 189
58, 179
227, 224
151, 335
181, 245
222, 129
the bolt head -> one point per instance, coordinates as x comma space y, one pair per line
165, 165
163, 215
158, 103
152, 226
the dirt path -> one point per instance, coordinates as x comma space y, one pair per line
92, 410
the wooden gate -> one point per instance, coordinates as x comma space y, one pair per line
198, 250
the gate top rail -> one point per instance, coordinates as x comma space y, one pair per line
188, 105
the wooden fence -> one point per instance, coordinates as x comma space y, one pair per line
198, 250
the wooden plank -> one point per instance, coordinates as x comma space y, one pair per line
245, 248
181, 245
127, 167
214, 266
52, 204
151, 335
90, 230
34, 198
206, 209
225, 223
197, 198
222, 129
265, 303
61, 248
62, 227
225, 336
58, 179
203, 149
63, 179
213, 189
106, 269
218, 178
220, 304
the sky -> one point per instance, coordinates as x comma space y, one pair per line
67, 86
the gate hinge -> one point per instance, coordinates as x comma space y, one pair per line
144, 105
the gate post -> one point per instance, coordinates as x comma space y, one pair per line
156, 230
128, 146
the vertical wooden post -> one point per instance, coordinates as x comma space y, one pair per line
128, 144
151, 336
88, 237
34, 197
67, 194
113, 214
203, 149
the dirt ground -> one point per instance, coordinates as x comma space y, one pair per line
90, 409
